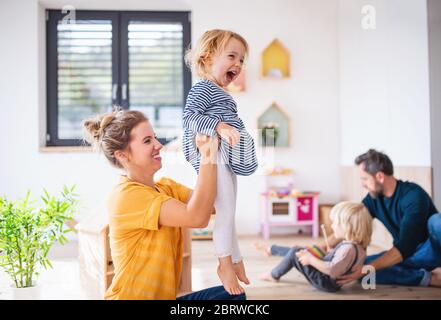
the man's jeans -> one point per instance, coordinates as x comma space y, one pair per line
214, 293
416, 269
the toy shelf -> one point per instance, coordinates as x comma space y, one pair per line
291, 210
282, 205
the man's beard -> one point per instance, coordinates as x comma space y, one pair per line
378, 190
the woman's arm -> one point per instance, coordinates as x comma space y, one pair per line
196, 213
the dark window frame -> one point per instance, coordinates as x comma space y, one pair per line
120, 63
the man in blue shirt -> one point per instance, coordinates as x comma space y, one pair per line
409, 214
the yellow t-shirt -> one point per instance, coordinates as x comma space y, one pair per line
147, 257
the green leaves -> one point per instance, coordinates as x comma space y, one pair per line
27, 232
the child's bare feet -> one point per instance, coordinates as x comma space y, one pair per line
228, 277
436, 278
263, 248
268, 277
239, 268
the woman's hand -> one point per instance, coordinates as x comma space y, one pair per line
227, 132
208, 147
304, 257
197, 212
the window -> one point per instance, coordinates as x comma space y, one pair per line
105, 58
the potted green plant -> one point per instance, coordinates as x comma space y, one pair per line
28, 230
270, 132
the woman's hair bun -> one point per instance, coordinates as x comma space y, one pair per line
95, 127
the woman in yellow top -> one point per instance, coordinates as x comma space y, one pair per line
146, 217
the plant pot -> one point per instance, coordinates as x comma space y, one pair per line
28, 293
269, 137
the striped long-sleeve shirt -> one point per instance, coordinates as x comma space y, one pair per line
207, 105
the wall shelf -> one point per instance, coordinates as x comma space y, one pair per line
276, 61
274, 127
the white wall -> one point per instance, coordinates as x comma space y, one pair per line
434, 10
384, 81
307, 28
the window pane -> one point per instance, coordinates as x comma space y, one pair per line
156, 74
84, 73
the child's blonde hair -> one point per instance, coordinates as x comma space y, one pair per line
209, 44
355, 221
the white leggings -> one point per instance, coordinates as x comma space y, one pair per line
224, 233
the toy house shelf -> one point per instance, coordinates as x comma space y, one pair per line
275, 61
274, 127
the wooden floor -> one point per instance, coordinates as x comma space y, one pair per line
63, 281
293, 285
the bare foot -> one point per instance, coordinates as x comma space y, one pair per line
268, 277
228, 277
263, 248
239, 268
436, 278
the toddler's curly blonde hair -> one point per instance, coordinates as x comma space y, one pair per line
210, 43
